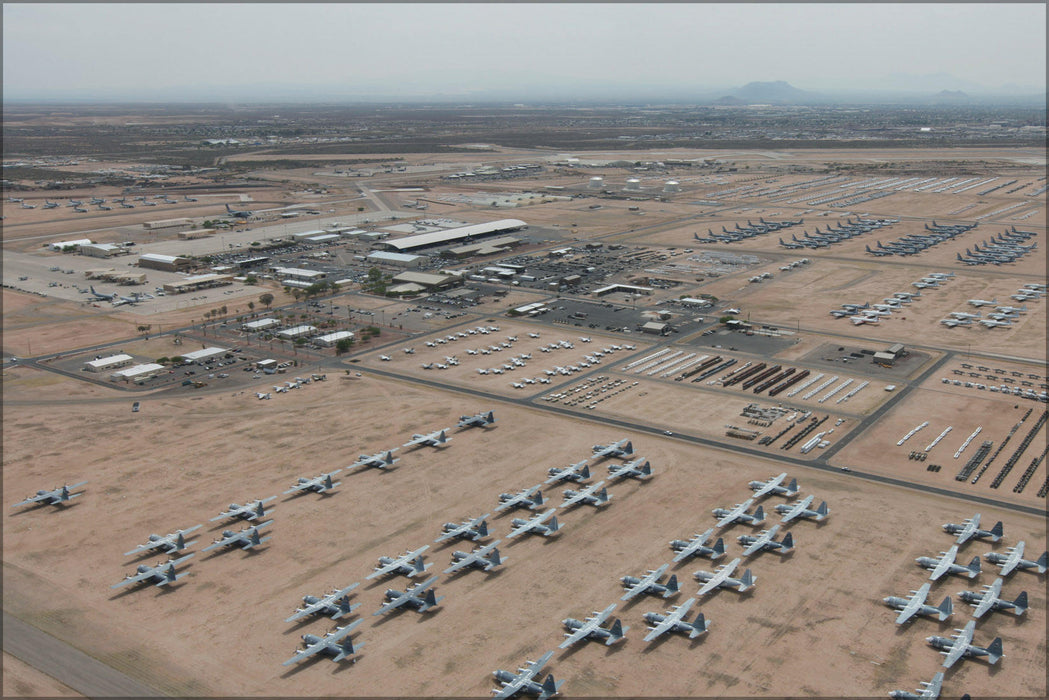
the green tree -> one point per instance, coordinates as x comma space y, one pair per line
251, 304
266, 299
343, 346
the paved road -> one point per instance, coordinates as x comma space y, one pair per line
67, 665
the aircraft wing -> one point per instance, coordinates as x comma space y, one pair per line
524, 675
397, 563
136, 578
770, 485
670, 620
148, 546
944, 565
645, 582
309, 610
796, 510
988, 598
695, 543
537, 520
763, 539
961, 645
588, 626
580, 495
1015, 554
723, 573
914, 604
328, 640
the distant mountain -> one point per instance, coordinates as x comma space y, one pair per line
777, 92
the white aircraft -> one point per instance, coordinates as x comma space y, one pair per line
410, 563
590, 496
481, 370
535, 525
409, 351
578, 472
521, 499
321, 484
336, 644
930, 690
860, 320
673, 620
915, 605
763, 488
379, 460
437, 437
649, 583
970, 528
697, 547
945, 564
171, 543
801, 510
384, 358
961, 315
248, 511
991, 323
765, 540
591, 628
470, 529
260, 396
521, 682
727, 516
484, 558
983, 302
1013, 559
960, 645
722, 578
988, 600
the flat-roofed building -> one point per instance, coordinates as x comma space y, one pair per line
197, 282
462, 234
102, 250
382, 257
168, 224
195, 233
488, 247
202, 356
624, 288
330, 340
168, 263
138, 372
298, 273
103, 364
297, 332
428, 280
260, 325
64, 246
655, 328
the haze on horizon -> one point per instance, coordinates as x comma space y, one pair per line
343, 52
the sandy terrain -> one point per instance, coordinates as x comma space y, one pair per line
22, 680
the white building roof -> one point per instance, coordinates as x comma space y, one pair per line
103, 362
334, 337
297, 272
297, 331
59, 245
456, 234
261, 323
393, 257
157, 257
203, 354
137, 370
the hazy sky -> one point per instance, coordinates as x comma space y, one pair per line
115, 50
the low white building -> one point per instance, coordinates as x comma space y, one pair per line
106, 363
138, 372
396, 259
201, 356
69, 245
330, 340
297, 332
299, 273
260, 325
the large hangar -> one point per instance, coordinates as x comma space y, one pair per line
454, 235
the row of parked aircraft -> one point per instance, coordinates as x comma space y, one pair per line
1003, 248
913, 244
741, 233
824, 239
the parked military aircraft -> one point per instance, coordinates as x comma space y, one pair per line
983, 302
970, 528
238, 214
475, 529
410, 563
246, 538
174, 542
521, 681
535, 525
590, 496
248, 511
763, 488
915, 605
412, 597
486, 558
521, 499
161, 574
649, 583
1013, 559
929, 690
622, 448
331, 644
481, 420
727, 516
945, 564
437, 437
697, 547
960, 645
54, 497
988, 599
721, 578
591, 628
800, 509
673, 620
334, 604
633, 469
577, 472
765, 541
320, 484
379, 460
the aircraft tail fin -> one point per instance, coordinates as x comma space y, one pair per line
327, 482
616, 632
759, 514
418, 566
793, 486
672, 586
482, 529
946, 608
994, 651
538, 500
746, 581
550, 686
1020, 604
430, 599
822, 511
646, 469
585, 474
699, 626
1042, 563
719, 547
996, 531
974, 567
441, 439
603, 497
553, 526
494, 559
788, 542
180, 542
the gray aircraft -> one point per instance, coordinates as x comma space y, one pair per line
247, 538
54, 497
248, 511
484, 558
633, 469
697, 547
536, 525
161, 574
171, 543
621, 448
521, 499
960, 645
475, 529
970, 528
521, 681
727, 516
915, 605
479, 420
320, 484
379, 460
334, 604
988, 600
649, 583
722, 578
578, 472
590, 496
412, 597
335, 644
673, 620
772, 486
1013, 559
945, 564
929, 690
434, 439
765, 541
801, 510
591, 628
410, 564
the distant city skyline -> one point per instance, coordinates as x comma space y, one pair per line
258, 52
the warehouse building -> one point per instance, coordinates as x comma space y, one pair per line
397, 259
463, 234
331, 339
297, 332
428, 281
203, 356
103, 364
102, 250
68, 246
138, 373
195, 233
624, 288
489, 247
167, 263
260, 325
169, 225
297, 273
196, 283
